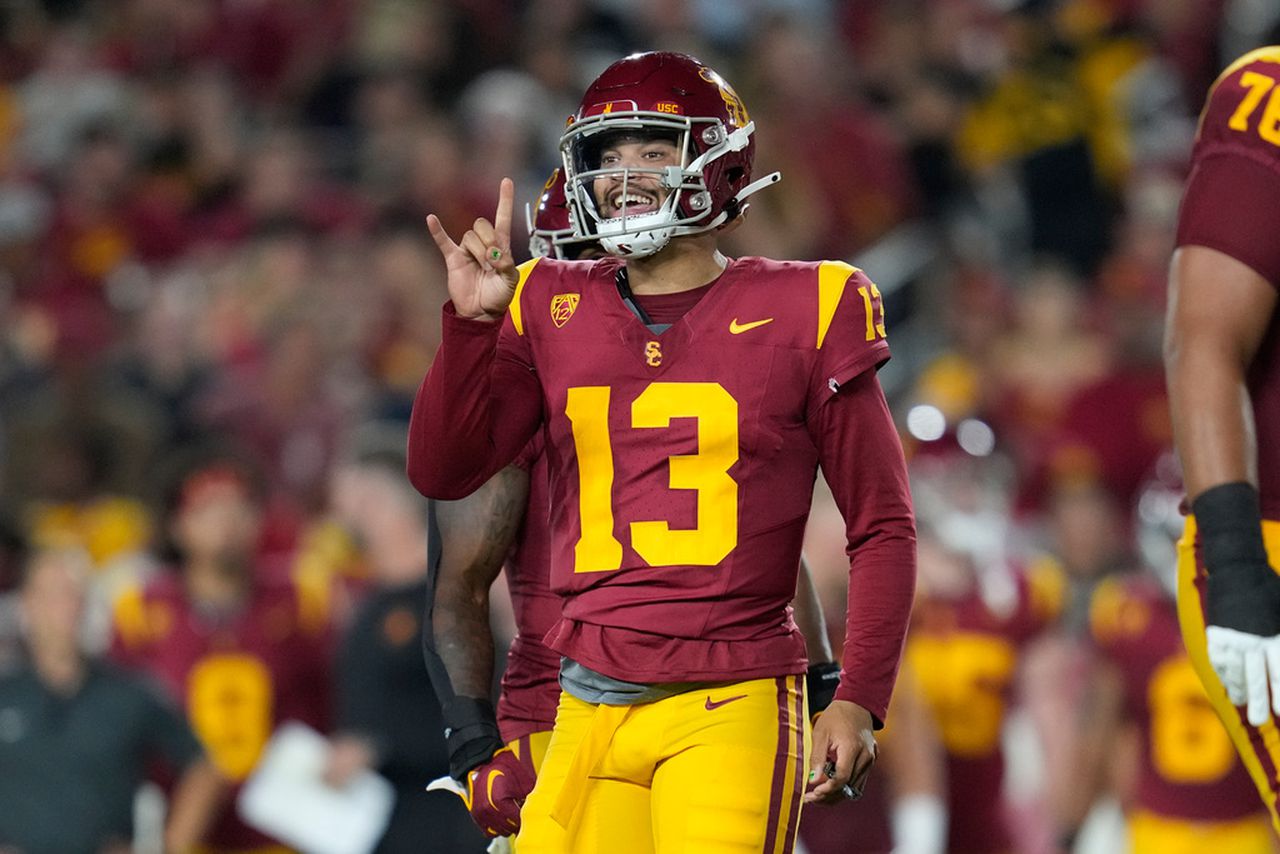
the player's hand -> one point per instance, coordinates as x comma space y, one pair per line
497, 790
1249, 667
482, 274
1244, 639
844, 749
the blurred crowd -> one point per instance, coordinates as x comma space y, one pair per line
211, 231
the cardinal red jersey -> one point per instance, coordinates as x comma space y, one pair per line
965, 653
1189, 768
1232, 204
682, 463
530, 683
237, 678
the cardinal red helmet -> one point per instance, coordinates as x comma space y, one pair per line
665, 95
550, 225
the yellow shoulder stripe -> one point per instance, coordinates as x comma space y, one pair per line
832, 277
517, 317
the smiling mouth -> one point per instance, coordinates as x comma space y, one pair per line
631, 203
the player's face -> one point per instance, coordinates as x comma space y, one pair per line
221, 522
53, 598
644, 191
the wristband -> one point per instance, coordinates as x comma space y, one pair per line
1242, 591
1229, 519
820, 684
470, 734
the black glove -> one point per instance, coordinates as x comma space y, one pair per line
470, 734
820, 683
1242, 593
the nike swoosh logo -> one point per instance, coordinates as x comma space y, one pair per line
718, 703
739, 328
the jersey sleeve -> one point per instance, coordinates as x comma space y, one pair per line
477, 407
1232, 199
863, 463
850, 332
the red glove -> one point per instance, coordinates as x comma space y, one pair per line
497, 789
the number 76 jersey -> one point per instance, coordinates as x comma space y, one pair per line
683, 463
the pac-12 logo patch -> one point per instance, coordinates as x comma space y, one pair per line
562, 308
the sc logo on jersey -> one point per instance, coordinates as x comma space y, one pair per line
653, 354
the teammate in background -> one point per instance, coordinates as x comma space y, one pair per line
689, 398
1190, 793
505, 521
386, 716
239, 646
976, 610
1222, 363
79, 736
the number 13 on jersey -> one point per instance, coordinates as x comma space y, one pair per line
706, 472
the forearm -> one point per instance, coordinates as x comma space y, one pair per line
807, 611
196, 800
863, 463
1212, 417
464, 639
461, 430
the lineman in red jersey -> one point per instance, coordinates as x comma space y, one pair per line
240, 650
1190, 793
686, 401
975, 612
1222, 361
505, 518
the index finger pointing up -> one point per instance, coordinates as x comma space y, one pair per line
502, 219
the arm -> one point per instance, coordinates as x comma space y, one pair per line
478, 405
862, 461
916, 766
475, 534
1098, 719
1219, 310
823, 675
196, 800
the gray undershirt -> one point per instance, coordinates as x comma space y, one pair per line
591, 686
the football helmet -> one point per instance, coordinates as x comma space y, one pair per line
1158, 519
551, 233
670, 96
962, 490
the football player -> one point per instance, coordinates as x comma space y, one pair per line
240, 644
1189, 791
1222, 363
505, 522
686, 401
976, 611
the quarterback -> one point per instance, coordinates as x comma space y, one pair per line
1222, 361
686, 401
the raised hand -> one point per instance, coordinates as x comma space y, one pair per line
482, 274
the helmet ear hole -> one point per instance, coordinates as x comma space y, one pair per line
735, 175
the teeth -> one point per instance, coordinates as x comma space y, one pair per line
631, 199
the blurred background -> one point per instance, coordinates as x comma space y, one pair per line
211, 230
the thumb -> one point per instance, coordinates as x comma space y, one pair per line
818, 758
